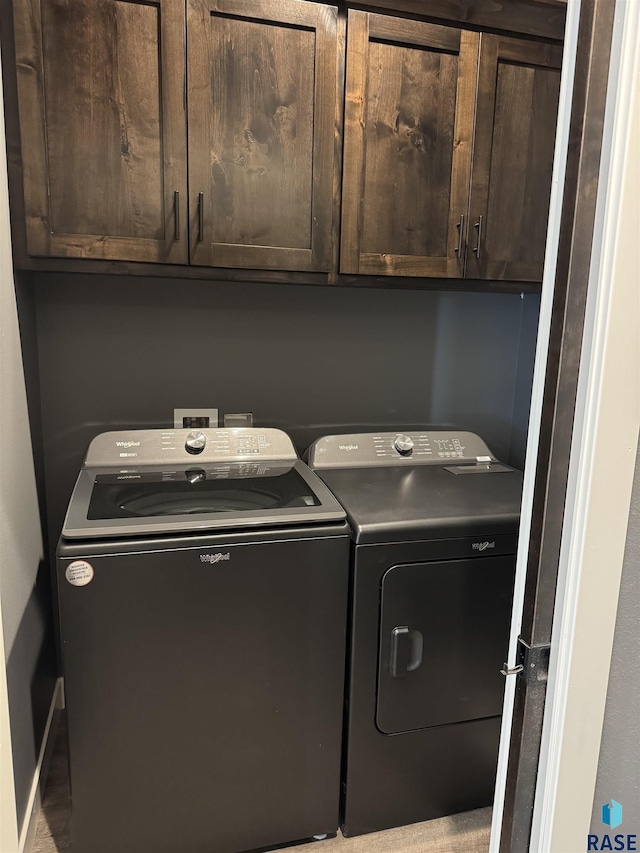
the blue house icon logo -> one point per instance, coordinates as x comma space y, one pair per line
612, 814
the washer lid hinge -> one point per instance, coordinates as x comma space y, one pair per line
533, 662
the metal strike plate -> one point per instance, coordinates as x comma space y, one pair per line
533, 662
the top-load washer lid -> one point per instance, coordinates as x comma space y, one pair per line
148, 482
406, 486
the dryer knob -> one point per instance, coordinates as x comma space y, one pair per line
403, 444
195, 442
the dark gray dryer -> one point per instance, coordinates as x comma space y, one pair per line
434, 519
203, 601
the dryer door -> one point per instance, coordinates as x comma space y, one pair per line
444, 630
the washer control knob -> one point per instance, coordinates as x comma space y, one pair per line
195, 442
403, 444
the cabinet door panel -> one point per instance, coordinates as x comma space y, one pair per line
408, 127
413, 157
103, 128
518, 89
262, 105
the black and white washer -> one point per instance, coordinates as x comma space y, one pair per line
434, 519
203, 598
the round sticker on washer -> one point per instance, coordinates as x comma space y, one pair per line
79, 573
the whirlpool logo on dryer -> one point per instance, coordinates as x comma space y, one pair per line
127, 444
215, 558
482, 546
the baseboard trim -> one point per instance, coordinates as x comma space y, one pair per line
28, 833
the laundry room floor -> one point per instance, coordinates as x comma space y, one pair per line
467, 832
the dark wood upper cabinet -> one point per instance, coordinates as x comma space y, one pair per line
410, 97
518, 89
420, 100
103, 128
262, 117
218, 140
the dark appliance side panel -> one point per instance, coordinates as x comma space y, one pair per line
398, 779
444, 630
205, 696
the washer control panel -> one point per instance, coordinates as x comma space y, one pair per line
362, 450
173, 446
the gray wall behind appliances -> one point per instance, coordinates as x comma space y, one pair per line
24, 594
524, 377
483, 368
118, 352
619, 766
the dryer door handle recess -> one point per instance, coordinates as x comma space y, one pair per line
406, 651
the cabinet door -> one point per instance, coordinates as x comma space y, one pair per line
262, 111
408, 131
518, 88
102, 120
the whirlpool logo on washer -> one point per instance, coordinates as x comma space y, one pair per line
214, 558
127, 444
482, 546
347, 447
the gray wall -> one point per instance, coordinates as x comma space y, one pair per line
524, 378
619, 767
24, 591
120, 352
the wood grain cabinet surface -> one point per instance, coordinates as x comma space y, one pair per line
262, 110
517, 105
104, 96
410, 97
214, 139
100, 85
449, 139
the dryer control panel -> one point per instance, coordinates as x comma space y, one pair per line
363, 450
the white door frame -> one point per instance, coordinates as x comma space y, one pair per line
537, 394
603, 457
601, 474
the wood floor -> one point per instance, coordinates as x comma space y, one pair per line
462, 833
